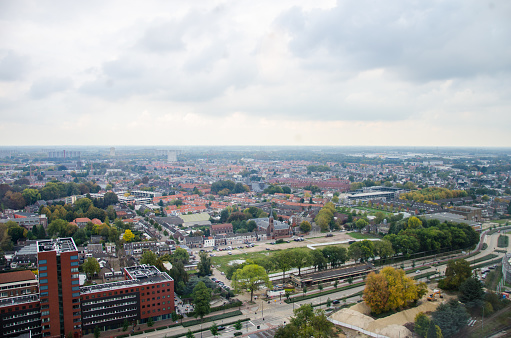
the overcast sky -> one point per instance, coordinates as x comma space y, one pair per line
425, 73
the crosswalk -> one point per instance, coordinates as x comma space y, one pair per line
471, 322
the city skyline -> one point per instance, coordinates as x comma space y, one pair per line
217, 73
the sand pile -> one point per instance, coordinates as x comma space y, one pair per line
353, 317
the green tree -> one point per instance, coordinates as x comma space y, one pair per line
190, 334
125, 325
214, 329
335, 255
300, 258
305, 227
283, 261
150, 258
307, 323
383, 249
450, 317
238, 325
471, 292
204, 266
250, 278
421, 324
318, 260
150, 322
91, 267
201, 300
434, 331
180, 255
457, 272
97, 332
361, 223
31, 195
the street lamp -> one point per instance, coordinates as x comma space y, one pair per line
262, 307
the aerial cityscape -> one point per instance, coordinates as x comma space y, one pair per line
289, 169
117, 241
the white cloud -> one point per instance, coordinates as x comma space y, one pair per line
229, 72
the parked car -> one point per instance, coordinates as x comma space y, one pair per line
337, 301
220, 328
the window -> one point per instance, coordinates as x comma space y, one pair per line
43, 268
74, 263
75, 288
76, 294
42, 261
43, 274
43, 294
45, 313
74, 269
74, 257
43, 281
75, 282
44, 287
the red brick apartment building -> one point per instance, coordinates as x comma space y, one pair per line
145, 293
56, 305
19, 304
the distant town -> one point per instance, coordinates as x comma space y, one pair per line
118, 241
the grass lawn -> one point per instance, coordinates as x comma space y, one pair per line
358, 235
373, 211
221, 262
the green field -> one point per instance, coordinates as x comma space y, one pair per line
373, 211
221, 262
358, 235
503, 241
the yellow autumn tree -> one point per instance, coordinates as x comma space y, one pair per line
128, 236
394, 287
376, 292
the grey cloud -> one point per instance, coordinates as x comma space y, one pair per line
45, 87
12, 65
162, 37
421, 40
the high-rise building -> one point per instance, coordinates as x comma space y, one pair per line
59, 287
112, 151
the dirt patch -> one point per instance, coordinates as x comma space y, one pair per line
353, 317
390, 326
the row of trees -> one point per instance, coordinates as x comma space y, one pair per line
100, 208
432, 194
419, 235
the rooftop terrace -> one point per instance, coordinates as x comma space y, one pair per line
60, 245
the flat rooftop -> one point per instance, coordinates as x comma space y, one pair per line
141, 275
59, 245
18, 300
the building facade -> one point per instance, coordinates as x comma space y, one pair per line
19, 304
59, 287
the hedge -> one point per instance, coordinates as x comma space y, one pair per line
314, 295
482, 265
221, 307
207, 328
484, 258
212, 318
